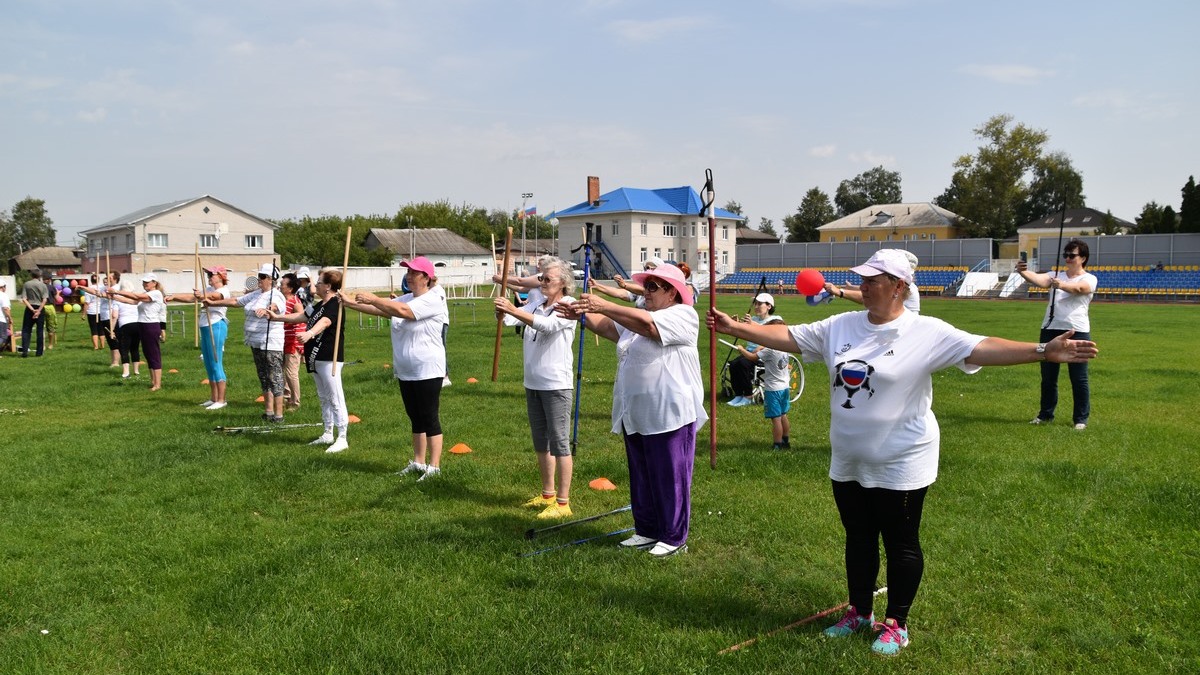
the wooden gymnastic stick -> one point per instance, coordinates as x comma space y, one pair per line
196, 302
500, 319
337, 333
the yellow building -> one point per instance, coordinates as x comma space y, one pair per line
893, 222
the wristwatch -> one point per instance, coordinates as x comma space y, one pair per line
1041, 350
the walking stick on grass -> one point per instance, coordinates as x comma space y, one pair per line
500, 319
808, 619
337, 324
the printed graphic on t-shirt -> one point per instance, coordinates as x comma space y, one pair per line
852, 377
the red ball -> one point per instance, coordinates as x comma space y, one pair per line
810, 282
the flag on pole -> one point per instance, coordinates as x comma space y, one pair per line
530, 210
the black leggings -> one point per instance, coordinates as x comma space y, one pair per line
866, 514
129, 337
741, 376
421, 400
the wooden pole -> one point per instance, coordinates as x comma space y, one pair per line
112, 329
196, 302
496, 291
500, 319
337, 333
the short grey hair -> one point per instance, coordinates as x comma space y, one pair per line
563, 271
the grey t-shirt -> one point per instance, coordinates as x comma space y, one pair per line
35, 292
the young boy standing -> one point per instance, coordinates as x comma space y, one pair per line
776, 389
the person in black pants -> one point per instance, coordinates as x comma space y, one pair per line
34, 295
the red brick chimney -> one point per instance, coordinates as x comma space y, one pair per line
593, 189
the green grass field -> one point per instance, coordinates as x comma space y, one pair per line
135, 540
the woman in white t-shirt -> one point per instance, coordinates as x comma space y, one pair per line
214, 330
549, 387
882, 431
151, 314
418, 358
1071, 294
658, 401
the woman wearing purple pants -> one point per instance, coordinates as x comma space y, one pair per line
658, 401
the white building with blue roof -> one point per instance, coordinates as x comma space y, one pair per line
631, 225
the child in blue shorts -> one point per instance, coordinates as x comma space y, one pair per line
776, 390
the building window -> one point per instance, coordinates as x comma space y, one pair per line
906, 237
209, 241
642, 257
254, 241
704, 232
724, 258
128, 241
670, 254
871, 238
669, 229
725, 233
683, 256
616, 228
643, 230
658, 253
933, 236
156, 241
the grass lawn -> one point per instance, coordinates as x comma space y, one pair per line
135, 540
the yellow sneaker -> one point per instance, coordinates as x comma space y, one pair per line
539, 502
554, 511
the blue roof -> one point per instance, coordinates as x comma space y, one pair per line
682, 201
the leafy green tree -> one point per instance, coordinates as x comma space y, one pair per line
814, 211
1108, 225
1054, 182
1168, 223
989, 188
321, 241
733, 207
1148, 220
29, 227
874, 186
1189, 209
767, 226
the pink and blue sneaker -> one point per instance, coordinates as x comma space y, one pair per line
891, 639
850, 623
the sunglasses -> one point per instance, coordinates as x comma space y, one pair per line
652, 286
1070, 256
264, 276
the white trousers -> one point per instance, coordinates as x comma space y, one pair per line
333, 398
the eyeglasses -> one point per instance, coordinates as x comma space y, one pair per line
1070, 256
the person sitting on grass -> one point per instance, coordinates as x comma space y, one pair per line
884, 437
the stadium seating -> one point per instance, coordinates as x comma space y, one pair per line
1173, 282
930, 280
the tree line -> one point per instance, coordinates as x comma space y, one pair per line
1011, 179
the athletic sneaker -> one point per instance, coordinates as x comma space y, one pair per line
430, 472
555, 511
638, 541
1080, 426
413, 467
740, 401
207, 403
850, 623
1038, 420
446, 381
338, 445
540, 502
891, 639
324, 439
664, 550
218, 405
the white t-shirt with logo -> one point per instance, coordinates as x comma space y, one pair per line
1071, 309
776, 376
658, 386
547, 348
882, 428
417, 349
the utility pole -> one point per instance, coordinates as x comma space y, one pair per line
525, 196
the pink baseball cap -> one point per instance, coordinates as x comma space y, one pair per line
420, 264
217, 269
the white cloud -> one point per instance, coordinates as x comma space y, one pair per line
92, 116
657, 29
872, 158
1007, 74
822, 150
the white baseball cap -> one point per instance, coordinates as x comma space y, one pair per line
886, 261
765, 298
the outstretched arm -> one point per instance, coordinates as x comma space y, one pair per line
773, 335
994, 351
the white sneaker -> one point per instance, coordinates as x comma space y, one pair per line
1080, 426
413, 467
325, 439
638, 541
446, 381
1038, 420
664, 550
430, 472
207, 403
218, 405
338, 445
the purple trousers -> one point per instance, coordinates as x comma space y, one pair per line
660, 483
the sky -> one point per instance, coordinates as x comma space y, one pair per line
287, 108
